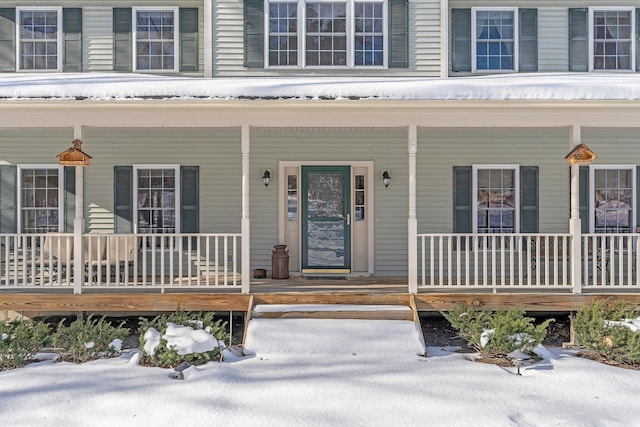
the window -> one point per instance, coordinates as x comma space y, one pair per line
156, 198
612, 46
613, 193
360, 198
494, 46
496, 199
326, 34
39, 39
156, 39
40, 198
292, 197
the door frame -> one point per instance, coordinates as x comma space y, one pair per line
282, 204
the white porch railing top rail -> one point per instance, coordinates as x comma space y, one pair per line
159, 261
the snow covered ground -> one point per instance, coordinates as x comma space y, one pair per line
351, 373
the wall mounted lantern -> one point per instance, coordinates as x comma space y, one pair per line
386, 178
266, 178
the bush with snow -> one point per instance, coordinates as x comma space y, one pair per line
84, 340
610, 328
170, 339
20, 341
497, 333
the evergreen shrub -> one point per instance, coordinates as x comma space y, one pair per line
20, 341
89, 339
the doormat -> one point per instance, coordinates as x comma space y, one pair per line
326, 278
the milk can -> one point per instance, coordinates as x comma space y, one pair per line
280, 262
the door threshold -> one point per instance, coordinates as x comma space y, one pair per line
326, 271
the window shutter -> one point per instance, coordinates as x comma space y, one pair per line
8, 208
190, 199
188, 39
7, 39
638, 39
461, 39
584, 197
528, 43
578, 40
72, 30
637, 199
69, 198
398, 34
253, 34
529, 212
123, 199
122, 39
462, 211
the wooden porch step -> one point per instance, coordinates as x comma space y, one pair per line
333, 311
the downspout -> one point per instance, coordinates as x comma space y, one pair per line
413, 221
208, 39
246, 224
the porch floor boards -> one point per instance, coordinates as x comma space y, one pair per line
295, 290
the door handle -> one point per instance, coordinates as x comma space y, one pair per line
348, 219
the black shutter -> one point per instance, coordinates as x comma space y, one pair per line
69, 198
188, 39
7, 39
72, 30
584, 197
254, 33
529, 211
461, 39
123, 199
637, 199
578, 40
398, 34
8, 208
528, 43
122, 39
638, 39
190, 199
462, 212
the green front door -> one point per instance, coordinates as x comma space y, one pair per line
326, 220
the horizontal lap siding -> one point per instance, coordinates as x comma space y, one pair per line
216, 152
387, 149
97, 39
441, 149
33, 146
553, 39
613, 146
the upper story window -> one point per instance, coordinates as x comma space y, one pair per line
40, 198
496, 198
157, 198
156, 39
611, 41
494, 46
613, 190
326, 34
39, 33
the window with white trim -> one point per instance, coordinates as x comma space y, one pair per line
156, 192
156, 39
611, 39
496, 198
494, 34
342, 34
613, 198
40, 198
39, 35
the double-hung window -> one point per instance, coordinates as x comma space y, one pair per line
343, 34
40, 198
495, 198
613, 198
39, 35
494, 47
611, 39
156, 39
156, 192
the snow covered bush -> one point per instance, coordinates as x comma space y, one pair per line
610, 328
20, 341
84, 340
170, 339
497, 333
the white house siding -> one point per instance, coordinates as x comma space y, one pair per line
387, 148
440, 149
216, 151
424, 44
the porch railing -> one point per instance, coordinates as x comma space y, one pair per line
610, 261
494, 261
123, 260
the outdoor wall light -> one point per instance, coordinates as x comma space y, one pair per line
266, 178
386, 178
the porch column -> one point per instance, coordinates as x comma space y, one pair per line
78, 222
413, 221
208, 39
575, 223
246, 224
